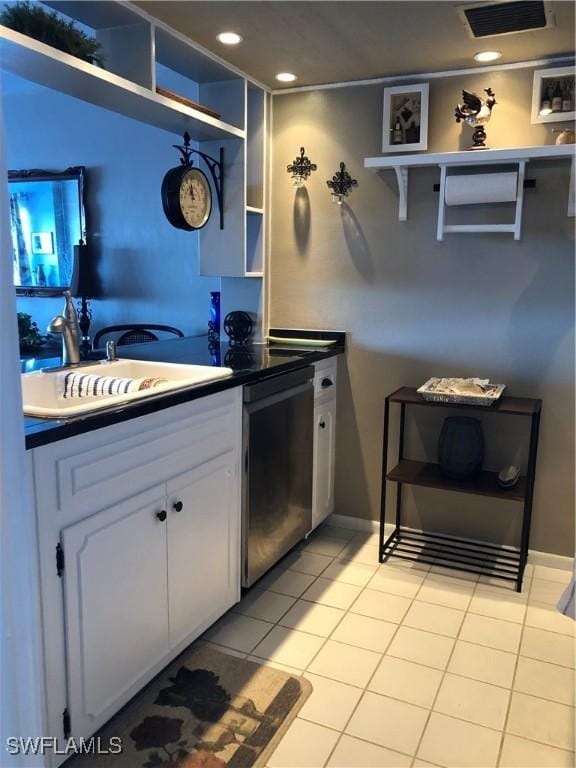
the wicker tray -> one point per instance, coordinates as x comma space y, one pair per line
493, 393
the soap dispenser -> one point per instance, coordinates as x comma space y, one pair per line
71, 317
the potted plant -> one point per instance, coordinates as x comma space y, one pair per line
32, 20
31, 340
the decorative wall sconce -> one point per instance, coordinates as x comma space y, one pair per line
341, 184
300, 169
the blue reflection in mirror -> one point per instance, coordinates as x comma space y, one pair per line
46, 222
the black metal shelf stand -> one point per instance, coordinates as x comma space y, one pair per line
486, 558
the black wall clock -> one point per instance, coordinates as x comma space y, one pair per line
186, 197
186, 191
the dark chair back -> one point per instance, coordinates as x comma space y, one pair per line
135, 333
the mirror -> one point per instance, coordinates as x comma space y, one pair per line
47, 220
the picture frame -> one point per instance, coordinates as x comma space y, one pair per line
42, 243
405, 118
544, 86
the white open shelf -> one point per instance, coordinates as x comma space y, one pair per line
42, 64
519, 155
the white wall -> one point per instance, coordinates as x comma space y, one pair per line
148, 269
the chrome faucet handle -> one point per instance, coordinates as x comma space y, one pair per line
57, 324
111, 350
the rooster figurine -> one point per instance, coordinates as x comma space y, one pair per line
476, 112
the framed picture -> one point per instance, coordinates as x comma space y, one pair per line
42, 243
553, 95
405, 118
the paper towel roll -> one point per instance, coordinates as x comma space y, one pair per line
481, 188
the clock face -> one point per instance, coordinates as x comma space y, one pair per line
195, 198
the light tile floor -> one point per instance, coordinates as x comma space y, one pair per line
411, 665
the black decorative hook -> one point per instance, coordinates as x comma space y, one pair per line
341, 184
184, 149
301, 168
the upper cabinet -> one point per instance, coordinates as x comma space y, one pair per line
155, 75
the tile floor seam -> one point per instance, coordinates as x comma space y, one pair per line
365, 688
443, 677
505, 724
359, 738
371, 677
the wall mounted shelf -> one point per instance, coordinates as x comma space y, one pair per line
42, 64
400, 164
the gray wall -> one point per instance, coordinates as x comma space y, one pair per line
148, 269
471, 305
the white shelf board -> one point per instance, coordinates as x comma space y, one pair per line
471, 157
254, 210
401, 163
33, 60
254, 274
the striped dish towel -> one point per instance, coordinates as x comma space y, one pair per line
73, 384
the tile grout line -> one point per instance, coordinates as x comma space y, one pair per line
443, 677
382, 655
505, 724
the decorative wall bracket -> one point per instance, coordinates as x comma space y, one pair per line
301, 168
216, 168
341, 184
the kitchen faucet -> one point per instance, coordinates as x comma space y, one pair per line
67, 325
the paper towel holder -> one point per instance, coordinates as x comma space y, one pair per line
513, 228
528, 184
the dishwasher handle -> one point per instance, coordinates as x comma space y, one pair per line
278, 384
278, 397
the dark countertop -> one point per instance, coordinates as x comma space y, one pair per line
250, 363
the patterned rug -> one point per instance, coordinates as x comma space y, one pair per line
206, 710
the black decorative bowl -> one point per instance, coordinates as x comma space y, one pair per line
238, 326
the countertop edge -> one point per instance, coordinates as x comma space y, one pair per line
43, 432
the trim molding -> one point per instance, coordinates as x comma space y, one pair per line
535, 556
553, 60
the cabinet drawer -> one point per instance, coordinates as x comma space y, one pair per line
85, 473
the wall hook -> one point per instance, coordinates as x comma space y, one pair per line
341, 184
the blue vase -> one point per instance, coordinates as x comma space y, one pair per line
214, 322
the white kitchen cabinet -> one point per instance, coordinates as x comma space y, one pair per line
135, 589
324, 440
203, 556
116, 606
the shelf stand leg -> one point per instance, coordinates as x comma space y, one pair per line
527, 515
384, 473
400, 457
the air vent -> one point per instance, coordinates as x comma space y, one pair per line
490, 19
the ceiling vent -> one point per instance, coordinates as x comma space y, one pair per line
506, 18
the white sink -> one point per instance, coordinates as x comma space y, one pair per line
42, 390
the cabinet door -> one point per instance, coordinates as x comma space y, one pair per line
203, 547
324, 458
116, 606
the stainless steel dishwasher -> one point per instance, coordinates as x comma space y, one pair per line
277, 492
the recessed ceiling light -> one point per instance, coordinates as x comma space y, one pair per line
286, 77
485, 56
229, 38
